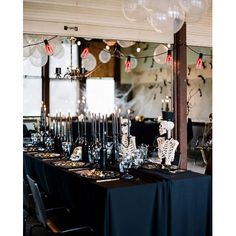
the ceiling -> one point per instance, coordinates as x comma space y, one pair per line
102, 19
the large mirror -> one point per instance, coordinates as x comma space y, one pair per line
144, 88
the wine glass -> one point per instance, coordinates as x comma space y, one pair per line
66, 147
125, 164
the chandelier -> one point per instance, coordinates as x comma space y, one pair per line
72, 72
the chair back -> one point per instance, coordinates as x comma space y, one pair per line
39, 205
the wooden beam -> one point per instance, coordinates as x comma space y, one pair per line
45, 86
180, 93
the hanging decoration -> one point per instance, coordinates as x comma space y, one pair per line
38, 50
104, 56
160, 54
48, 47
199, 62
169, 58
165, 16
85, 53
128, 64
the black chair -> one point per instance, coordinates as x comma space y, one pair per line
28, 205
55, 221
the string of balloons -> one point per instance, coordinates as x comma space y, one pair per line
38, 48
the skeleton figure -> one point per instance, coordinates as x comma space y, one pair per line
127, 146
166, 147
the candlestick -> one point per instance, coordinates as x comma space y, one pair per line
162, 104
60, 124
49, 121
56, 131
128, 125
95, 127
85, 126
99, 133
167, 105
106, 122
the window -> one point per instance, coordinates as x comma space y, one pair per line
64, 94
100, 95
32, 89
63, 97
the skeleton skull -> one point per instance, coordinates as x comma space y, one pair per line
162, 127
124, 126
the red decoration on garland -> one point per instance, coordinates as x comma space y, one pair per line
48, 47
199, 62
128, 64
85, 52
169, 58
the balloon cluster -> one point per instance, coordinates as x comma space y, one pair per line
165, 16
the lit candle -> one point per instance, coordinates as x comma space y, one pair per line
49, 121
162, 104
167, 104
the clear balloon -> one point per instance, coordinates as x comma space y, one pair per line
89, 62
104, 56
110, 42
153, 5
194, 9
160, 54
39, 51
168, 19
134, 61
125, 44
59, 51
39, 61
133, 10
27, 51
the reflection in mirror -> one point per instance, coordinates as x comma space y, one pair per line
199, 84
142, 80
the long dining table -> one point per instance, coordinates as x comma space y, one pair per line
151, 204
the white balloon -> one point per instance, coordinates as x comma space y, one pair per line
104, 56
27, 51
153, 5
168, 19
160, 49
134, 61
133, 10
125, 44
59, 51
194, 9
89, 62
39, 51
38, 61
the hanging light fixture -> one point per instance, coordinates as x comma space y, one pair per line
72, 73
169, 58
199, 62
48, 47
128, 64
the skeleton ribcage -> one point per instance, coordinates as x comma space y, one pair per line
125, 148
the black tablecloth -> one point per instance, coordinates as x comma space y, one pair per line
144, 206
